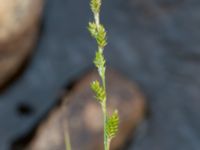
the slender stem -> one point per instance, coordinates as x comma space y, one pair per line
97, 19
104, 83
104, 106
67, 138
105, 114
104, 123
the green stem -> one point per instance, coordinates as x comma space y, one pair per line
105, 136
104, 106
96, 18
67, 141
105, 114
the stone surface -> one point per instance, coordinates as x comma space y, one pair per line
19, 25
83, 116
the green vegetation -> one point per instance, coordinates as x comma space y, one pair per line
98, 32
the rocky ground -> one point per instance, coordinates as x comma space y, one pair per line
153, 42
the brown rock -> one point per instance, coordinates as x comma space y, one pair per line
19, 21
83, 116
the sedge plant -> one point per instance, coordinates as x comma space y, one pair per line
98, 32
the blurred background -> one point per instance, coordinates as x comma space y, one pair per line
45, 47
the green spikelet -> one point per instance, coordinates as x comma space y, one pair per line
99, 62
99, 33
101, 36
112, 124
99, 59
95, 6
93, 29
99, 91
